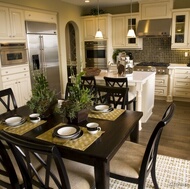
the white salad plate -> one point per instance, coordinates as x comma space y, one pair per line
15, 121
67, 131
101, 109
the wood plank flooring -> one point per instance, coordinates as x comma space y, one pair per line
175, 139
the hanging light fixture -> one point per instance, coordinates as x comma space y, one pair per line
99, 34
131, 32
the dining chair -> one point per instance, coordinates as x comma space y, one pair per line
122, 82
89, 82
54, 172
133, 162
7, 98
112, 95
8, 176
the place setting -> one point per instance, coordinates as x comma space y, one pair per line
73, 136
105, 111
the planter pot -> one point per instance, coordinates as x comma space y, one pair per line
80, 117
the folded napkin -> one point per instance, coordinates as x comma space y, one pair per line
111, 116
81, 143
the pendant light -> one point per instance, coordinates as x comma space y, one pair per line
131, 32
99, 34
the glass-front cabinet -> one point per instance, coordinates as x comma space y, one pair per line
133, 43
180, 30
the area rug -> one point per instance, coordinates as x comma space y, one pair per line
172, 173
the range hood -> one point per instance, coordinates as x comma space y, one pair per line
154, 28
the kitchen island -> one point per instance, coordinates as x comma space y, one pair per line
143, 84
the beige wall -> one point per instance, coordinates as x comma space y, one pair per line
66, 12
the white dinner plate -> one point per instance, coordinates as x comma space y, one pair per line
102, 107
67, 131
15, 121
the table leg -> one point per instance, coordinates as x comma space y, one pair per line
134, 136
101, 174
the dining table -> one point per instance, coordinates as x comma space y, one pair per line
116, 127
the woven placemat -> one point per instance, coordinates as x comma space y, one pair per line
81, 143
111, 116
22, 129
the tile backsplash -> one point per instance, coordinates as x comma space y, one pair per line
159, 50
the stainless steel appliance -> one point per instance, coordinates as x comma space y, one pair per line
13, 54
160, 68
95, 54
43, 51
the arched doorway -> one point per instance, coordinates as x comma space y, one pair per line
72, 48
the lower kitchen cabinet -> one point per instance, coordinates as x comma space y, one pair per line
20, 83
181, 83
161, 85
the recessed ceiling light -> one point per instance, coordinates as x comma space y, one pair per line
87, 1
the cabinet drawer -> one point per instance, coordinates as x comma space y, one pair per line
14, 70
182, 83
179, 92
161, 80
182, 76
182, 71
15, 76
160, 91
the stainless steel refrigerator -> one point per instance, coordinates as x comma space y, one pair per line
43, 52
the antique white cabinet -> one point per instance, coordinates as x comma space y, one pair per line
17, 78
92, 23
180, 30
161, 85
40, 16
12, 24
120, 26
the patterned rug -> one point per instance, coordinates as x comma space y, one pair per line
172, 173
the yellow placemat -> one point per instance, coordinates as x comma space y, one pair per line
81, 143
22, 129
111, 116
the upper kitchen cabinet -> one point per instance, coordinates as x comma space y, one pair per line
120, 26
150, 9
92, 23
12, 24
180, 30
40, 16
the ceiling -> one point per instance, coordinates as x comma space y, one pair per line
102, 3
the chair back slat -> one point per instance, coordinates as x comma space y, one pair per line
30, 153
7, 98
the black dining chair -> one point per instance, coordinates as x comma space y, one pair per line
133, 162
54, 172
8, 176
114, 96
122, 82
8, 100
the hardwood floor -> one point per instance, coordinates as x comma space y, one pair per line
175, 139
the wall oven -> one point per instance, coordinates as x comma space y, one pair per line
13, 54
95, 54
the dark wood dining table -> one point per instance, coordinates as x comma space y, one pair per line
100, 152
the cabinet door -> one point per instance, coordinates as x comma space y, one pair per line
24, 90
17, 23
180, 29
89, 28
101, 23
5, 30
133, 43
119, 31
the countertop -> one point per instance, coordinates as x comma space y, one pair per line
134, 77
173, 66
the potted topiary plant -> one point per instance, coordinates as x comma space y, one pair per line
42, 99
76, 106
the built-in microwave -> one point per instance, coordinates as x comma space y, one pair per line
13, 54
